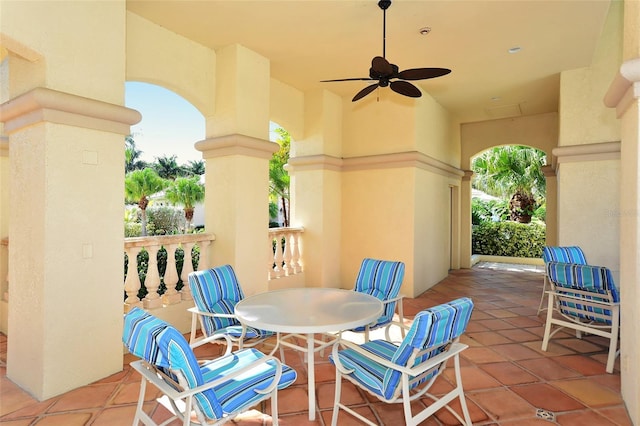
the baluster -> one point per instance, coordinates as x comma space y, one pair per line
171, 295
277, 256
271, 273
152, 281
295, 258
287, 255
132, 282
187, 268
203, 263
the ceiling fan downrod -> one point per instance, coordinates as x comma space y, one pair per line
384, 5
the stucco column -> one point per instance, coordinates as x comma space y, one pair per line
65, 230
315, 170
465, 220
237, 153
236, 209
4, 230
63, 113
551, 218
624, 96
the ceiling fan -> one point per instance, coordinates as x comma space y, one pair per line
383, 71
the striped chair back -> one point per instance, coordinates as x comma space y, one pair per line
566, 254
431, 332
216, 290
381, 279
592, 283
163, 347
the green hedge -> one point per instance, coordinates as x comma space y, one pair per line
508, 239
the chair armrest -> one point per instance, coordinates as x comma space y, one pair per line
151, 375
453, 350
583, 299
196, 311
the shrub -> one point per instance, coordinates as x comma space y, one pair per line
164, 221
508, 239
488, 211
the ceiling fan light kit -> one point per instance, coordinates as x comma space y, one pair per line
384, 72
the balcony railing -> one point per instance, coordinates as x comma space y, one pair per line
171, 295
162, 289
285, 246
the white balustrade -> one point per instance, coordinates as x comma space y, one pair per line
152, 281
285, 250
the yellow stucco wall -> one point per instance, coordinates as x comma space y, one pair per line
158, 56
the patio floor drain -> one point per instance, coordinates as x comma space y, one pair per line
545, 415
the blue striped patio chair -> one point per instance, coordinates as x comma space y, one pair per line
216, 292
566, 254
382, 279
583, 298
214, 392
405, 372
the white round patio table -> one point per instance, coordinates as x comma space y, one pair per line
304, 312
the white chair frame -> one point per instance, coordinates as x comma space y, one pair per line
610, 331
406, 397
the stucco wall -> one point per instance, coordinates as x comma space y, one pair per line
158, 56
378, 216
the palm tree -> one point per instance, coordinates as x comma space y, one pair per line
512, 171
279, 178
187, 192
168, 168
195, 167
132, 155
138, 186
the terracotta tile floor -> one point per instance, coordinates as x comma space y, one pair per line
505, 374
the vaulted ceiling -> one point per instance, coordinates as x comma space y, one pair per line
311, 40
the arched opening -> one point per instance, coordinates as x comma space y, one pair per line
508, 202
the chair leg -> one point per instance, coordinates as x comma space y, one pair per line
274, 407
613, 343
544, 291
547, 327
463, 399
336, 401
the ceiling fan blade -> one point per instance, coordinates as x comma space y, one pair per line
381, 66
405, 88
348, 79
364, 92
422, 73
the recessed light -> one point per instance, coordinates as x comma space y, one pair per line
425, 30
515, 49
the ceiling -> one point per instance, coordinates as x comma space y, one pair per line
311, 40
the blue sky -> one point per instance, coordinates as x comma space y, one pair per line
170, 125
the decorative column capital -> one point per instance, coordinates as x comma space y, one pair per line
468, 174
625, 87
47, 105
236, 144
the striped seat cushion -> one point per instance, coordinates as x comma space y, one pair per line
381, 279
163, 346
217, 291
432, 328
593, 279
567, 254
240, 392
